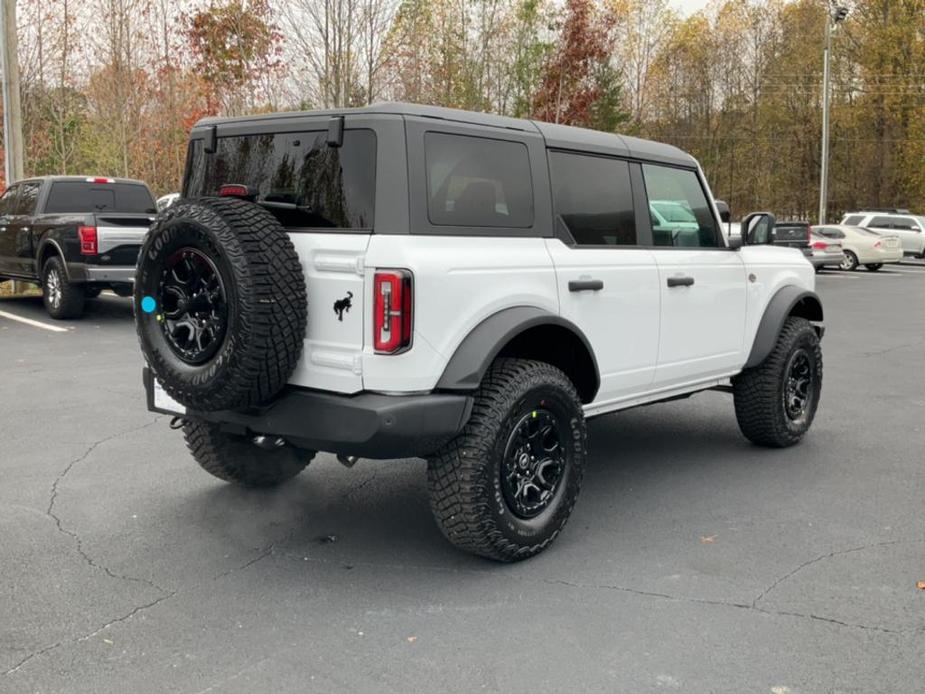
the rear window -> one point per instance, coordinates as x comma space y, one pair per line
82, 196
298, 177
478, 182
787, 231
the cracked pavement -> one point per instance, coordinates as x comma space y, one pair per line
693, 562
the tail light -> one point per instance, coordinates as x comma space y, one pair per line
820, 245
89, 245
100, 179
392, 311
236, 190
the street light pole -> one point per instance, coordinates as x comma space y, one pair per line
831, 19
12, 112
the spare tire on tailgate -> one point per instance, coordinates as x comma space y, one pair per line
220, 304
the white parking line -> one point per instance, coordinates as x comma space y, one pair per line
33, 323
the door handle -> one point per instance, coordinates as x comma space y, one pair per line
680, 281
585, 285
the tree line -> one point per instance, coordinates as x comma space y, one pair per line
112, 87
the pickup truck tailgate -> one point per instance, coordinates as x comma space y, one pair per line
115, 230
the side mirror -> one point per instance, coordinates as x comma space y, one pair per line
723, 208
735, 242
758, 229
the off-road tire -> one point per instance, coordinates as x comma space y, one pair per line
759, 392
850, 263
264, 294
238, 460
464, 477
873, 267
68, 301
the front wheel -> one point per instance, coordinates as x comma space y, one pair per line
873, 267
776, 401
62, 299
850, 262
239, 459
505, 487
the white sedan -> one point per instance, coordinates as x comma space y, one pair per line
863, 246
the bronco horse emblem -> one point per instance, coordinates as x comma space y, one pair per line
342, 305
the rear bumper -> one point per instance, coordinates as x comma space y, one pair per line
84, 272
368, 425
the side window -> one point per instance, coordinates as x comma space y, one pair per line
853, 220
903, 223
28, 196
681, 215
8, 200
881, 223
477, 182
594, 198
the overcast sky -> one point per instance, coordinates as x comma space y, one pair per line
688, 6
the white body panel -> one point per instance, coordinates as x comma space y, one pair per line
702, 325
621, 320
459, 281
333, 267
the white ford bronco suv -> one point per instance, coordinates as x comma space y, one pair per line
406, 281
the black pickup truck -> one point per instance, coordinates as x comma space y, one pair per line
74, 235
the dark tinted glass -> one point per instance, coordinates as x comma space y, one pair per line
297, 176
594, 198
82, 196
853, 220
28, 196
678, 208
831, 233
477, 182
903, 223
7, 200
881, 222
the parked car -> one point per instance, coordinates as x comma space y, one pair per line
478, 286
862, 246
827, 252
909, 228
166, 201
74, 235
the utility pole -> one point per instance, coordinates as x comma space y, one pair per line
12, 110
832, 18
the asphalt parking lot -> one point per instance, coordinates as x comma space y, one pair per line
694, 561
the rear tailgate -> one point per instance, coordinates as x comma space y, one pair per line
120, 235
791, 234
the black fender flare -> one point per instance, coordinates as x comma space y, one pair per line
479, 348
786, 301
45, 243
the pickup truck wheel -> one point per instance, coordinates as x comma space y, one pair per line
850, 262
505, 487
873, 267
239, 460
775, 402
62, 299
220, 303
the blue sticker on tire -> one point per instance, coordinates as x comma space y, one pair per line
148, 304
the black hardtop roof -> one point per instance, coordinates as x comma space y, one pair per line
556, 136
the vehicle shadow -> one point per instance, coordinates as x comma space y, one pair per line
378, 512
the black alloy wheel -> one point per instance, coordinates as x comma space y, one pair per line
798, 385
533, 464
194, 305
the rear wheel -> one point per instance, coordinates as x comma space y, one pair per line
505, 487
62, 299
850, 262
239, 459
776, 401
873, 267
